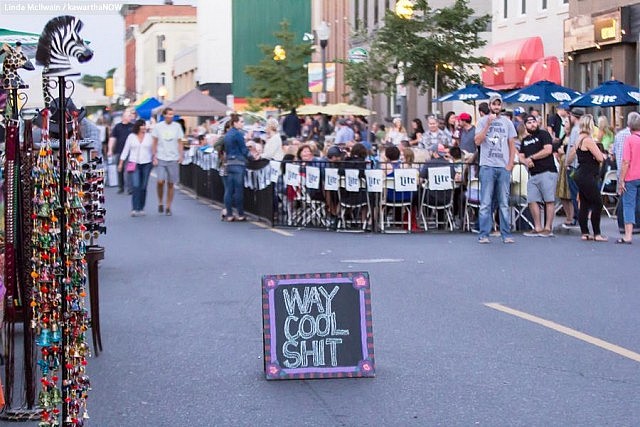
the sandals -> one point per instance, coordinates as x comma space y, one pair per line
598, 238
621, 241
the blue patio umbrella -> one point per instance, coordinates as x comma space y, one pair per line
471, 92
612, 93
542, 92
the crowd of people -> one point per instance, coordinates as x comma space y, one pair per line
564, 160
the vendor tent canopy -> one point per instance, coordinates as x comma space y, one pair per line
145, 108
29, 40
194, 103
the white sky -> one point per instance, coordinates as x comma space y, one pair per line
104, 29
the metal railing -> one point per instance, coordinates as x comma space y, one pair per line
359, 196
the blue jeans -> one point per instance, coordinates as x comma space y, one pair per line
494, 180
234, 189
631, 201
139, 181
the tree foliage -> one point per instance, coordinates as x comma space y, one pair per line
445, 38
281, 84
92, 81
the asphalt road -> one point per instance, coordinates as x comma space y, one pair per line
182, 328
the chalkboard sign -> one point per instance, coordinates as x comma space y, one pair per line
317, 326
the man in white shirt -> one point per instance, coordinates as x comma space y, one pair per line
167, 156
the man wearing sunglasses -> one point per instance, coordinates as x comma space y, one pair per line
536, 153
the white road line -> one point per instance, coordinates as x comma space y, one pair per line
275, 230
567, 331
371, 260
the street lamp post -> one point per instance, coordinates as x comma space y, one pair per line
323, 32
403, 10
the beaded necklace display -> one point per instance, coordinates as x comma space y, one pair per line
60, 319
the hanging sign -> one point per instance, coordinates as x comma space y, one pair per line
317, 326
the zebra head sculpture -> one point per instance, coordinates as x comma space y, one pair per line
58, 42
14, 59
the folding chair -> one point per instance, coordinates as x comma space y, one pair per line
307, 211
518, 196
472, 203
390, 203
611, 179
355, 211
437, 196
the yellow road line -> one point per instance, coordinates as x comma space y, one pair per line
275, 230
567, 331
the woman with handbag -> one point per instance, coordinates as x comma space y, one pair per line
138, 149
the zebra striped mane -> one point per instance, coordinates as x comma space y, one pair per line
53, 27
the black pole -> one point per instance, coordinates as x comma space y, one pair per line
62, 124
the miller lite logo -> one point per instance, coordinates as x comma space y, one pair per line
527, 98
465, 97
603, 99
561, 96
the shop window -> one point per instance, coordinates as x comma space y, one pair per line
584, 74
608, 70
596, 74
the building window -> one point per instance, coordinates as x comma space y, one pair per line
585, 77
376, 12
365, 14
162, 80
565, 1
523, 7
162, 53
608, 70
544, 5
596, 74
505, 9
386, 5
356, 14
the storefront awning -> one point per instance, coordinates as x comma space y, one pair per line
519, 63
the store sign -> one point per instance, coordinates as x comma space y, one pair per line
606, 28
317, 326
586, 32
358, 54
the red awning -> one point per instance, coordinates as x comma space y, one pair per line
512, 59
547, 68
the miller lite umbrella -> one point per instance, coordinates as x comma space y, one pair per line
543, 92
470, 93
612, 93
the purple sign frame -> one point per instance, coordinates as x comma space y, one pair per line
275, 369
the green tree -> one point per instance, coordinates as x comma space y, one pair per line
445, 38
281, 83
92, 81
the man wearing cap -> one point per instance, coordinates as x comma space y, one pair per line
467, 134
495, 135
536, 153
